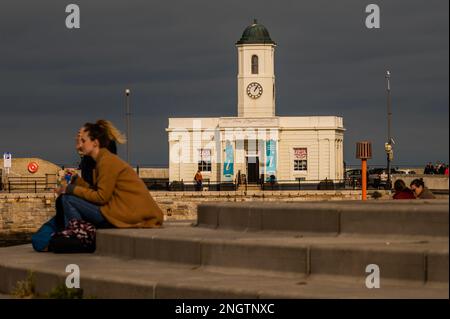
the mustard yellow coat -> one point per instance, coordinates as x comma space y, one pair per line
123, 198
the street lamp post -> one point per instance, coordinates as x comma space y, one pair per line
388, 145
127, 114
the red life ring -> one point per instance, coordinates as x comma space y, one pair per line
33, 167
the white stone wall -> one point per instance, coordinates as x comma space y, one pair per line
321, 154
184, 145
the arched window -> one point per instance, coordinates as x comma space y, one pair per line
254, 64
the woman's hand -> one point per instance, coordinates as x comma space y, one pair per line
61, 189
72, 173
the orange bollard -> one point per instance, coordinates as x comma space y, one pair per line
364, 179
363, 152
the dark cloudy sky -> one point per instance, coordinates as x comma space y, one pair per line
179, 59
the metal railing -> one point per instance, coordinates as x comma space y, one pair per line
30, 184
48, 183
277, 185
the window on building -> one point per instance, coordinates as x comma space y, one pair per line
300, 159
204, 160
254, 64
300, 165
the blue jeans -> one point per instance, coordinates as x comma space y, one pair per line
74, 208
77, 208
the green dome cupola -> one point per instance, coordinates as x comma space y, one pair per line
255, 34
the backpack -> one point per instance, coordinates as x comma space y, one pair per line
78, 237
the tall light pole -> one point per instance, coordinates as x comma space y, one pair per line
388, 145
127, 115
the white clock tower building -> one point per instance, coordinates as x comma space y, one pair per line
256, 73
256, 146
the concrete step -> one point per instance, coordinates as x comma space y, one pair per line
379, 218
110, 277
419, 259
261, 250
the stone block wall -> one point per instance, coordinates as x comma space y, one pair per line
183, 205
26, 212
23, 213
434, 182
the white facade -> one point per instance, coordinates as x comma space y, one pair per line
256, 143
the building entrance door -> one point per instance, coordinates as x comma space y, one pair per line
253, 169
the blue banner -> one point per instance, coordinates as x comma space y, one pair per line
228, 165
271, 158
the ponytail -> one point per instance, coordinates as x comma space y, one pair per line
113, 133
105, 132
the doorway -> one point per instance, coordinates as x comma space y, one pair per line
253, 169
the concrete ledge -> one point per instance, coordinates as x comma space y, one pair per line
263, 193
437, 267
257, 257
402, 220
417, 218
405, 258
400, 265
260, 250
434, 182
107, 277
288, 217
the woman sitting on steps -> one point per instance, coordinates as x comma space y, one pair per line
117, 197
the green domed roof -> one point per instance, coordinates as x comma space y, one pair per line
255, 34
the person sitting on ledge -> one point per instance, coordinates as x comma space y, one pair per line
420, 191
402, 191
117, 198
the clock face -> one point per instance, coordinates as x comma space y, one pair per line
254, 90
